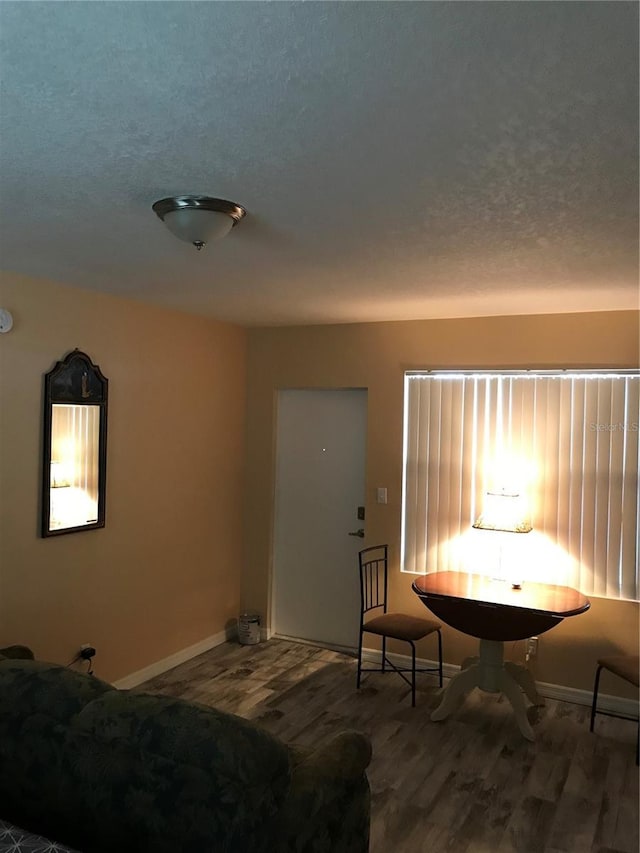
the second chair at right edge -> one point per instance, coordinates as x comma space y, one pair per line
397, 626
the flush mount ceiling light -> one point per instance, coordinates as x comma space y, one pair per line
198, 219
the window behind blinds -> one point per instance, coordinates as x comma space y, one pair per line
567, 441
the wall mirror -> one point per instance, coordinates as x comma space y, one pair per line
75, 446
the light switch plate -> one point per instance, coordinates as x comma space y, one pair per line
381, 495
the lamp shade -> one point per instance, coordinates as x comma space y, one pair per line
198, 219
198, 226
504, 511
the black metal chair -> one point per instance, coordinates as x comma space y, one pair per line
626, 667
398, 626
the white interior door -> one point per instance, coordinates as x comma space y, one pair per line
320, 483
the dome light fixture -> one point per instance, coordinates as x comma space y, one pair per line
198, 219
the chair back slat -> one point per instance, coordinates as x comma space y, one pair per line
373, 578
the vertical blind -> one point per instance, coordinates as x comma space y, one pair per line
568, 441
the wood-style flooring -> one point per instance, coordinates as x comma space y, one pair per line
469, 784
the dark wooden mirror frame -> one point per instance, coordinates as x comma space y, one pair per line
74, 381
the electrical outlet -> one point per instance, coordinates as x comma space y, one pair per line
532, 647
87, 651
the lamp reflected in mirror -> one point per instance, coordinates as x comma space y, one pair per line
74, 465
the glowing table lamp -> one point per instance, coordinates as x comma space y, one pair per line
504, 512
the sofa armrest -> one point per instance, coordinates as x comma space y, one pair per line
327, 809
340, 757
16, 653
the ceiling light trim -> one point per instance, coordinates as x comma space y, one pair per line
198, 202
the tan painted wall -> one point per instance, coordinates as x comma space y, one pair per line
165, 571
375, 356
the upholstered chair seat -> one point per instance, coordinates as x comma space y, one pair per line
400, 626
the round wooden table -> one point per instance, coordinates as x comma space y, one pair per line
495, 613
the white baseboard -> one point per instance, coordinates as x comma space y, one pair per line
346, 650
373, 656
613, 704
168, 663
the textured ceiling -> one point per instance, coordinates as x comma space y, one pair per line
397, 160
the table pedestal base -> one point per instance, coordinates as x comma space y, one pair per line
491, 673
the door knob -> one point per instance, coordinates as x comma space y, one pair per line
359, 533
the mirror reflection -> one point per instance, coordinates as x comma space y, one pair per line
74, 465
75, 446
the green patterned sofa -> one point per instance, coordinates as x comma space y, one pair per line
112, 771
